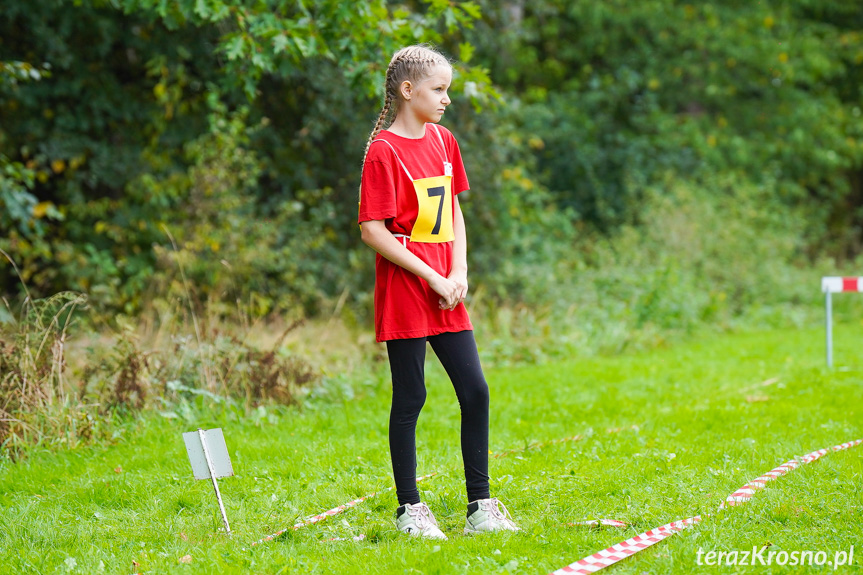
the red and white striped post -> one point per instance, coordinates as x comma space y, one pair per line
831, 285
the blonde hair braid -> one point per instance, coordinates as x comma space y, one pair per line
379, 125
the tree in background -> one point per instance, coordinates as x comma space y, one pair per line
229, 124
617, 93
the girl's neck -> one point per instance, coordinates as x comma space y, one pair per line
408, 127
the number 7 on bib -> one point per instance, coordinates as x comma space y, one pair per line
434, 218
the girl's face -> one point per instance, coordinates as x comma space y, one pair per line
428, 99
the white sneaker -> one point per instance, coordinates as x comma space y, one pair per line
418, 521
486, 515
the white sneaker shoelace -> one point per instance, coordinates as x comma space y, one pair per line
422, 515
490, 515
419, 521
494, 506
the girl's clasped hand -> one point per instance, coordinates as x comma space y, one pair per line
452, 290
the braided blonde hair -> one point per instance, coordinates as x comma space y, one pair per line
412, 64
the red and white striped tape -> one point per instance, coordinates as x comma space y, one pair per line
743, 494
624, 549
334, 511
841, 284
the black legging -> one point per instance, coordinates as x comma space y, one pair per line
457, 352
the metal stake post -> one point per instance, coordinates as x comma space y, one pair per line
829, 309
213, 477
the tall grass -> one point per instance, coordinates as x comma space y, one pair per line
33, 368
34, 391
60, 385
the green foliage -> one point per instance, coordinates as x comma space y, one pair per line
17, 203
11, 73
83, 134
281, 37
19, 209
106, 140
620, 92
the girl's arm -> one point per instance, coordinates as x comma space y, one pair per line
376, 235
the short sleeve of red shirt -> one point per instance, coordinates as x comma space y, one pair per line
378, 192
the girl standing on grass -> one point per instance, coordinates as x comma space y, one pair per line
410, 215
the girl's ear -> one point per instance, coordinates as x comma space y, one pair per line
406, 90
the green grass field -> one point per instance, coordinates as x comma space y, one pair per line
693, 423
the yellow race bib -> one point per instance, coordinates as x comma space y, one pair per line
434, 220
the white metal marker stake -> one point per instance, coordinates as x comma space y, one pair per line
829, 309
831, 285
209, 458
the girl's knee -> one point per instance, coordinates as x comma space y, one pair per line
411, 402
476, 396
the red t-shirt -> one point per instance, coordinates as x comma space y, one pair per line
405, 305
